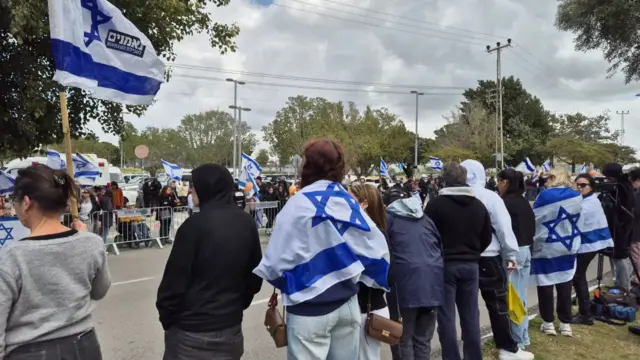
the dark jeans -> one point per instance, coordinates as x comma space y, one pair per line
563, 305
418, 326
461, 291
165, 227
226, 344
83, 346
580, 281
493, 287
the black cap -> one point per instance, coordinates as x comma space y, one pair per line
394, 194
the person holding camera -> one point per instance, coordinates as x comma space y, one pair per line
618, 203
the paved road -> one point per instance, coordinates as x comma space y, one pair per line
127, 320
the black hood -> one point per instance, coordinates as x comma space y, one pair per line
213, 184
612, 170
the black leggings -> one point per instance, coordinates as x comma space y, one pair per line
580, 281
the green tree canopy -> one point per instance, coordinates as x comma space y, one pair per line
262, 158
29, 105
594, 129
611, 26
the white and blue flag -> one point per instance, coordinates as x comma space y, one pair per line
11, 230
582, 169
558, 235
436, 164
250, 171
546, 166
97, 49
384, 170
320, 239
173, 171
83, 168
529, 166
595, 235
6, 183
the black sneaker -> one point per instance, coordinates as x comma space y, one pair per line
582, 320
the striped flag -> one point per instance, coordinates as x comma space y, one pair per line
6, 183
173, 171
436, 164
384, 171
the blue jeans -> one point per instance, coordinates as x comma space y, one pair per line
520, 279
335, 336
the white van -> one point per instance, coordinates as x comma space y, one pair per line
115, 175
14, 165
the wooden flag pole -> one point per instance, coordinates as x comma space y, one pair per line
67, 149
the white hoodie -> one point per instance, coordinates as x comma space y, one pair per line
504, 241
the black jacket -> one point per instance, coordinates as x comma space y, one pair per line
463, 223
208, 281
523, 220
619, 207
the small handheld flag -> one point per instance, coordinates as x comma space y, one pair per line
173, 171
436, 164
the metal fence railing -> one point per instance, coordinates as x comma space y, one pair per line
264, 213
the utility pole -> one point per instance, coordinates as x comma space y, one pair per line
492, 98
415, 152
498, 51
235, 124
622, 114
239, 110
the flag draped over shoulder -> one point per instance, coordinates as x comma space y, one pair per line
557, 239
11, 230
595, 235
97, 49
321, 238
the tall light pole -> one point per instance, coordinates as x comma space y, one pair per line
622, 114
235, 122
239, 110
498, 51
415, 152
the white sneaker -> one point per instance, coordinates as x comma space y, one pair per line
565, 330
548, 328
520, 355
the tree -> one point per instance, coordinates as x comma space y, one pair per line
611, 26
457, 154
594, 129
29, 105
262, 158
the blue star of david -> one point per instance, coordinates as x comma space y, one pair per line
320, 199
97, 18
554, 236
7, 235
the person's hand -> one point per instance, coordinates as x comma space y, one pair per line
511, 265
78, 225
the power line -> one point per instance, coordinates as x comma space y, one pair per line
279, 85
378, 26
310, 79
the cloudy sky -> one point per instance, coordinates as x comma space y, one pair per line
377, 51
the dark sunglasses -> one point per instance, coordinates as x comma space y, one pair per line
582, 185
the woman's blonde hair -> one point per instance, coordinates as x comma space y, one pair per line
375, 206
558, 177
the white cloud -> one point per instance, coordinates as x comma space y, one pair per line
279, 40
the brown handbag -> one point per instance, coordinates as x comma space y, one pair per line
383, 329
274, 321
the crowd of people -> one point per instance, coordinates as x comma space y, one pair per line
341, 258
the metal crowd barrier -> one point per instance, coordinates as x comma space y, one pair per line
180, 214
264, 213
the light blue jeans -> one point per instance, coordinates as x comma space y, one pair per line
520, 279
335, 336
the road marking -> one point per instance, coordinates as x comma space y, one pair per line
133, 281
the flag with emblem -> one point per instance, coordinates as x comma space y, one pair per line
321, 238
173, 171
97, 49
84, 170
11, 230
558, 235
6, 183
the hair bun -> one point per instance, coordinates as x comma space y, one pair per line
60, 179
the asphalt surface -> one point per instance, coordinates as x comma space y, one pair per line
127, 320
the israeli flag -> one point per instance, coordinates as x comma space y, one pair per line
97, 49
11, 230
55, 160
320, 239
558, 235
384, 170
595, 235
546, 166
250, 171
6, 183
173, 171
436, 164
529, 166
83, 168
582, 169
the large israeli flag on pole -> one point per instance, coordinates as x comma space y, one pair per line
6, 183
97, 49
558, 235
436, 164
83, 168
322, 237
173, 171
250, 170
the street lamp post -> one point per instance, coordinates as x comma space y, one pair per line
239, 110
235, 122
415, 152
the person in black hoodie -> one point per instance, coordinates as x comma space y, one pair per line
511, 186
465, 232
208, 280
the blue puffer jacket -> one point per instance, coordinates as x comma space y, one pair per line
416, 255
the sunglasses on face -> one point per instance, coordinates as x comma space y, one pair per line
582, 185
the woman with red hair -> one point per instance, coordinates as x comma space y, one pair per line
322, 245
